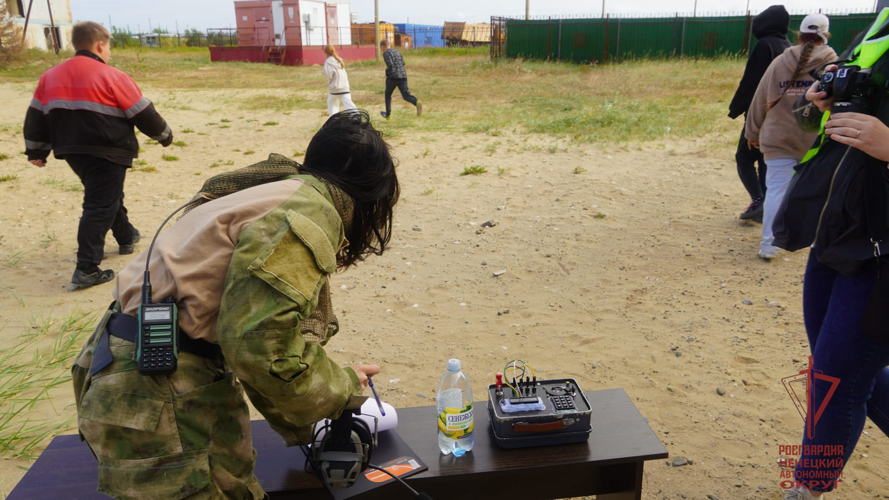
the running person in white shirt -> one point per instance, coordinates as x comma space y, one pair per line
338, 82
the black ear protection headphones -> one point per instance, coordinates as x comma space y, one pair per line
344, 452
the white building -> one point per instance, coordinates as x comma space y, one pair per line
40, 34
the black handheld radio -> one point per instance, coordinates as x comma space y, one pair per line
157, 342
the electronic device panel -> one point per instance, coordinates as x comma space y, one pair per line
538, 413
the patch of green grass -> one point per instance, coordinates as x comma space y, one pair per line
236, 150
579, 170
249, 152
268, 102
151, 142
298, 152
600, 215
181, 144
167, 157
15, 296
503, 171
212, 124
474, 170
582, 103
225, 120
62, 184
8, 177
49, 236
141, 150
35, 370
187, 131
423, 154
269, 124
14, 259
225, 126
4, 156
147, 169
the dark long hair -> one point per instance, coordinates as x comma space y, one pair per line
352, 155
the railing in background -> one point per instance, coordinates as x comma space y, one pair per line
601, 40
258, 37
306, 36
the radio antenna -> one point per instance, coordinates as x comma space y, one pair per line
146, 282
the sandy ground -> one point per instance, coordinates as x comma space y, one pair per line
631, 274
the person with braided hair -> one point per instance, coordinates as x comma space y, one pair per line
771, 126
248, 267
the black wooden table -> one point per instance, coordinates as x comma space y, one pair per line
609, 465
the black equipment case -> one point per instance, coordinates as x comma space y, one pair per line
544, 413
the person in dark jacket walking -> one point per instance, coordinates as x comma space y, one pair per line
84, 111
770, 28
396, 76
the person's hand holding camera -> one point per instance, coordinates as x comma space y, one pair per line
820, 98
860, 131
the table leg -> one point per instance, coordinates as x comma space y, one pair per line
628, 495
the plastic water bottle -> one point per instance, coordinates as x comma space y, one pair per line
454, 403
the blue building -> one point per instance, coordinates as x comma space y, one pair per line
424, 35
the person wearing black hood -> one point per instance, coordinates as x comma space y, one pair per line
770, 28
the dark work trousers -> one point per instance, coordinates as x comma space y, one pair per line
401, 83
747, 160
102, 208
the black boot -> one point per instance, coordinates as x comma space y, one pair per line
85, 279
128, 249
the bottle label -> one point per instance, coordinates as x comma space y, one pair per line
456, 423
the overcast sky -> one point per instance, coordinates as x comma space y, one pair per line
205, 14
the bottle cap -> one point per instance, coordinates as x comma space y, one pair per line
453, 365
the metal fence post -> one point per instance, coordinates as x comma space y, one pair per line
682, 41
559, 49
617, 49
605, 56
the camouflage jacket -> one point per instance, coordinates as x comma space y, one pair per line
275, 314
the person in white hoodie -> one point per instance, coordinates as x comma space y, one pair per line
771, 126
338, 82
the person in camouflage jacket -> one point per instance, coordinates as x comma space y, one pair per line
249, 272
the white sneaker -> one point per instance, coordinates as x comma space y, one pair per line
799, 494
767, 254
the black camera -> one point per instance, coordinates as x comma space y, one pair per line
854, 89
847, 82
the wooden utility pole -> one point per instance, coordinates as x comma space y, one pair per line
377, 27
603, 9
27, 18
52, 25
527, 10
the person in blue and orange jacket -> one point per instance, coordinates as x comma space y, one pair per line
84, 111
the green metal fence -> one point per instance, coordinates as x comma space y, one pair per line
614, 39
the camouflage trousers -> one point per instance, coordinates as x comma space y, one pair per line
166, 437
